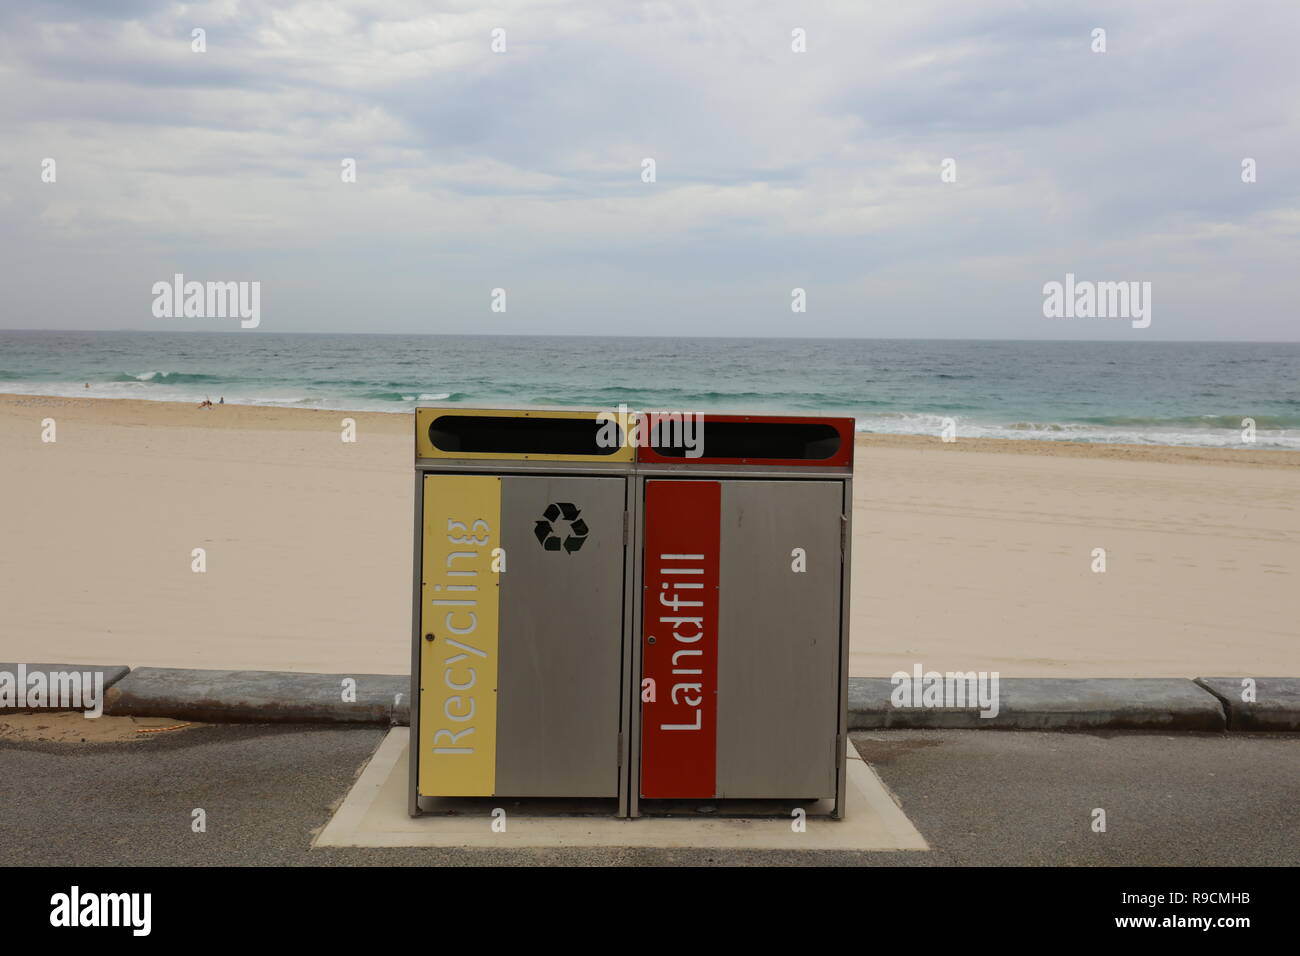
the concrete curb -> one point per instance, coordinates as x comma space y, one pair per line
1025, 703
1276, 706
1033, 703
262, 696
112, 674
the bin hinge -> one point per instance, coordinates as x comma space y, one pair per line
620, 750
844, 536
625, 529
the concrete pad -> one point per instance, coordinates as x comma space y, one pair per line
260, 696
374, 813
1042, 703
112, 674
1276, 705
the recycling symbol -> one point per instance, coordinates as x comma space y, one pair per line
570, 532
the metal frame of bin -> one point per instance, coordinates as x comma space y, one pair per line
430, 462
637, 467
837, 468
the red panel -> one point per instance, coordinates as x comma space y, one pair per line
679, 639
841, 459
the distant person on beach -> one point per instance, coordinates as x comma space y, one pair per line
206, 403
223, 400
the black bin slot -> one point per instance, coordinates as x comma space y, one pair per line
802, 441
500, 434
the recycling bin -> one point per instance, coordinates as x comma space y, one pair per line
521, 659
743, 607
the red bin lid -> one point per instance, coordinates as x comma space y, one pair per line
770, 440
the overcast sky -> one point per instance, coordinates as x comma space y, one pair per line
775, 169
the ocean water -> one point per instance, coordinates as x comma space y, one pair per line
1134, 392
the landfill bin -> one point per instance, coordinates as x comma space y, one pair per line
743, 559
522, 626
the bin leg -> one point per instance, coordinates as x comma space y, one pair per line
841, 776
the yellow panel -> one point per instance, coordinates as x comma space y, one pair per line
424, 448
460, 608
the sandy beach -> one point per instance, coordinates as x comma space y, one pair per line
974, 555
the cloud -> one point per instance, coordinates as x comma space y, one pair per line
774, 169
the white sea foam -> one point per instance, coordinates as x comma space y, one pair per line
145, 386
923, 424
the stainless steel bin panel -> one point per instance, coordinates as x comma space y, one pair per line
779, 639
561, 612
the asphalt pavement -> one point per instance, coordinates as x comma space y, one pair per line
978, 797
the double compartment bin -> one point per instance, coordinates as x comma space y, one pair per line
598, 618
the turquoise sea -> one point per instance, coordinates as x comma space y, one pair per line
1136, 392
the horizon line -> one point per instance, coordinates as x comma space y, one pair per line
593, 335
